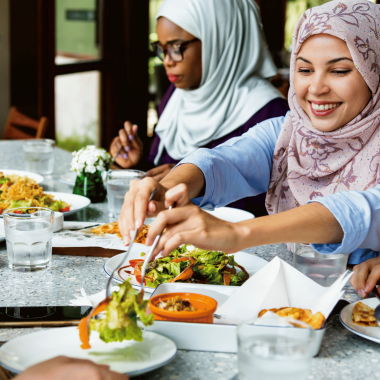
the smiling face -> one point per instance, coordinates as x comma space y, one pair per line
328, 86
186, 74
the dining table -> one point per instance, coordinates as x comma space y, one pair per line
343, 355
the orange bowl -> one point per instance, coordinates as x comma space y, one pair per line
205, 307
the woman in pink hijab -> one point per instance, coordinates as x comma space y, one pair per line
320, 164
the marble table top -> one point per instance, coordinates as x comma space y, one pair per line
343, 355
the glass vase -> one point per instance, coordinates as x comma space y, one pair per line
91, 186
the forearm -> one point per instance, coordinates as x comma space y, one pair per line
188, 174
312, 223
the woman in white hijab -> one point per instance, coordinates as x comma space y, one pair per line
215, 54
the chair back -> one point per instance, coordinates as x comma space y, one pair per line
22, 127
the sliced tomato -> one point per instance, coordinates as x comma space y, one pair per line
17, 212
133, 263
84, 333
138, 267
1, 211
65, 209
139, 278
180, 259
186, 273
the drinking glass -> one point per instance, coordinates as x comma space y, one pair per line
39, 156
118, 183
29, 238
274, 349
323, 269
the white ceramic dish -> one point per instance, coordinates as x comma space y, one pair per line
38, 178
250, 262
230, 214
207, 337
77, 202
131, 357
370, 333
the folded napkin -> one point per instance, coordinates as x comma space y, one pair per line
277, 285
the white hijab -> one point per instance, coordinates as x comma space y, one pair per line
235, 61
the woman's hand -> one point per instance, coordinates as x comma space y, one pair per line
63, 368
189, 224
136, 206
366, 276
160, 172
132, 150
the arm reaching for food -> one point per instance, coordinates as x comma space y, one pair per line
366, 276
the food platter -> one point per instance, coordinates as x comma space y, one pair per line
251, 263
130, 357
38, 178
370, 333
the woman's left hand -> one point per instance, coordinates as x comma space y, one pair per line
160, 172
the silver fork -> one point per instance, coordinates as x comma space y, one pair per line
124, 257
147, 260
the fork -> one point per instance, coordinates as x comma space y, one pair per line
124, 257
147, 260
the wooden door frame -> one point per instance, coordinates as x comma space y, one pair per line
124, 83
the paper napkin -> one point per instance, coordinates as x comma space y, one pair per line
277, 285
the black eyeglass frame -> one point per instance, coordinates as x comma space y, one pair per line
167, 49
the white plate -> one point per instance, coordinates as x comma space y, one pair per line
230, 214
370, 333
38, 178
68, 178
251, 263
131, 357
77, 202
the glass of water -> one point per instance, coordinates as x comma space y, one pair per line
323, 269
118, 182
39, 156
274, 349
29, 234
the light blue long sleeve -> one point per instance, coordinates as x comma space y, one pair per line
241, 167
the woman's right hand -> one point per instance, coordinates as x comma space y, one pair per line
136, 206
132, 150
366, 276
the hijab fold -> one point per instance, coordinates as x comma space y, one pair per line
235, 63
308, 163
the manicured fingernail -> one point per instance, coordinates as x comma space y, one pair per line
126, 240
131, 232
366, 289
148, 241
127, 148
130, 137
138, 224
361, 293
152, 207
121, 155
125, 155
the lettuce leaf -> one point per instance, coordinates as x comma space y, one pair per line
120, 322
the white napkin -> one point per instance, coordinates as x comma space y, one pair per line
91, 300
277, 285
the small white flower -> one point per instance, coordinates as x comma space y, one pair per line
90, 159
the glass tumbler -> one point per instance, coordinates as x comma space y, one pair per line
118, 183
28, 235
323, 269
39, 156
274, 349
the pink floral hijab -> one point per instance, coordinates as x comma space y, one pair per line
307, 163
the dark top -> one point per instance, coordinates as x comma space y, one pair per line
275, 108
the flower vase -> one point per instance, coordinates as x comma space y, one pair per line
91, 186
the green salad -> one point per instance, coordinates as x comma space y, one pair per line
120, 321
190, 264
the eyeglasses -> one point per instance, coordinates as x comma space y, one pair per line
174, 50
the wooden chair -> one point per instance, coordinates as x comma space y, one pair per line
21, 127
